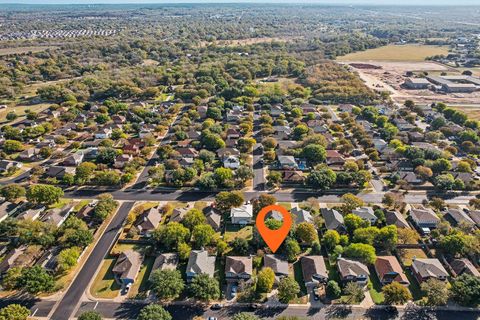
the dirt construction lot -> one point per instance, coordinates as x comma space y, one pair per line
390, 75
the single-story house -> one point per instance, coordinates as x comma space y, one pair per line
458, 216
165, 261
200, 262
424, 218
127, 266
389, 270
394, 217
301, 215
238, 268
287, 162
6, 165
424, 269
293, 176
352, 271
58, 216
231, 162
149, 220
214, 218
461, 266
333, 219
366, 213
242, 215
278, 264
314, 271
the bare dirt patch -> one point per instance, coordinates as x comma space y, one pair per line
246, 42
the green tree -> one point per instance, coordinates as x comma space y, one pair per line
12, 146
333, 290
44, 194
454, 244
84, 172
167, 284
35, 280
10, 279
193, 218
436, 292
172, 234
321, 179
396, 293
245, 316
363, 252
154, 312
226, 200
466, 290
204, 288
183, 251
354, 292
351, 202
105, 207
68, 258
265, 280
353, 222
240, 246
331, 239
14, 312
306, 233
292, 249
264, 200
12, 192
288, 289
444, 182
314, 154
203, 235
90, 315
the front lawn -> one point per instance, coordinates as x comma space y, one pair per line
141, 283
104, 285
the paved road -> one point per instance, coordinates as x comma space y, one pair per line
130, 311
332, 196
72, 297
39, 308
258, 168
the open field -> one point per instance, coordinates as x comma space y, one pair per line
20, 109
246, 42
409, 52
473, 112
20, 50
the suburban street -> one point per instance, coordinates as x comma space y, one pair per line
72, 297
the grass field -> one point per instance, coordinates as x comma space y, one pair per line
20, 109
409, 52
20, 50
233, 232
407, 255
473, 113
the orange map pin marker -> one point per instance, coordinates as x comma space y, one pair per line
274, 238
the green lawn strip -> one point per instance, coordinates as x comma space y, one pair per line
298, 274
105, 285
376, 288
414, 287
141, 284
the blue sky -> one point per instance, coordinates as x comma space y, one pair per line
377, 2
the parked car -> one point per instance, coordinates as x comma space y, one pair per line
217, 306
233, 291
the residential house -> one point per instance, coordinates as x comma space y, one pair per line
231, 162
30, 154
118, 119
58, 216
366, 213
285, 145
149, 220
301, 215
59, 172
282, 132
200, 262
126, 267
214, 218
475, 216
457, 216
314, 271
352, 271
6, 165
276, 110
6, 208
242, 215
165, 261
104, 133
238, 268
425, 219
394, 217
224, 153
74, 159
333, 219
380, 144
287, 162
293, 176
424, 269
464, 266
334, 158
178, 213
389, 270
30, 214
278, 264
410, 177
122, 160
187, 152
233, 133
